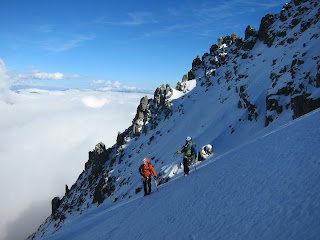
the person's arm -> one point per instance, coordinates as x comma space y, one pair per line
194, 151
140, 171
180, 150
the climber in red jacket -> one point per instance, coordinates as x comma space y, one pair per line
145, 171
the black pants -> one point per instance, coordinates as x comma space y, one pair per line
147, 185
186, 163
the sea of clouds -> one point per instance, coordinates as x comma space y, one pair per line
44, 144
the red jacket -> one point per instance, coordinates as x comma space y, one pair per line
146, 169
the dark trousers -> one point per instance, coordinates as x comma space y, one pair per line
186, 163
147, 185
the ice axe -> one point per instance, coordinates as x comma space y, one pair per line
155, 183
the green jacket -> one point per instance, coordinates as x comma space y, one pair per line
189, 150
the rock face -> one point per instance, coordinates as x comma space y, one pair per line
141, 116
303, 104
250, 32
55, 203
264, 33
182, 85
97, 158
229, 40
149, 110
250, 38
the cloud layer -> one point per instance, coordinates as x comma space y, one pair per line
44, 144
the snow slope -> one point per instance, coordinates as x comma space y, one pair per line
265, 180
265, 189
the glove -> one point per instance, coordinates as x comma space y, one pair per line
178, 151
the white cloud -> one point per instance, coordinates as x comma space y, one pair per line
37, 74
106, 85
55, 76
93, 102
45, 140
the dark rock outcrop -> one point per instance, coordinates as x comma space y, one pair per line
97, 158
139, 119
250, 39
229, 40
250, 32
55, 204
303, 104
264, 33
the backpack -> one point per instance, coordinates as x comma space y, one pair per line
190, 149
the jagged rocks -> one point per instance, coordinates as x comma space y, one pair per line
251, 108
55, 204
250, 32
150, 109
191, 75
98, 196
302, 104
229, 40
182, 85
185, 77
142, 112
216, 57
97, 158
264, 33
161, 103
162, 94
272, 103
285, 13
100, 148
196, 62
298, 2
67, 189
250, 39
122, 138
213, 49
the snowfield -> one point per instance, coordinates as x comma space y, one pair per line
266, 189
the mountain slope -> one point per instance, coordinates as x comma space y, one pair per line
240, 91
266, 189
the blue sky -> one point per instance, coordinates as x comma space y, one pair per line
93, 44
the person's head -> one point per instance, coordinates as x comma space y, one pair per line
145, 160
188, 139
208, 148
